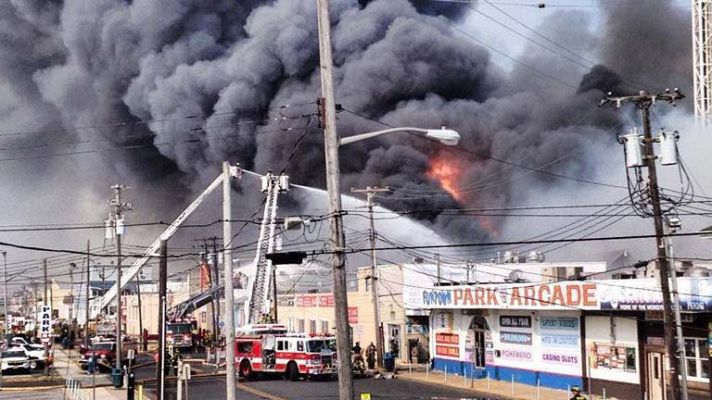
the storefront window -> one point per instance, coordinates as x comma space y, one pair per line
696, 353
630, 359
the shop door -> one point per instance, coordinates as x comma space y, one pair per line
394, 340
479, 348
656, 383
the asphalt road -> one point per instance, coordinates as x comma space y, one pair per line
277, 389
54, 394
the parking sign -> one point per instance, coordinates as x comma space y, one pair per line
46, 322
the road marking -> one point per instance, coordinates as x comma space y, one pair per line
258, 392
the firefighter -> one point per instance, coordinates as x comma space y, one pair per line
357, 349
576, 391
371, 356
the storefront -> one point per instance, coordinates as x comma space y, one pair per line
527, 347
587, 333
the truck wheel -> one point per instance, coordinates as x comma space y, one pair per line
33, 365
246, 370
292, 371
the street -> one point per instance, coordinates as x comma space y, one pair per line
276, 389
53, 394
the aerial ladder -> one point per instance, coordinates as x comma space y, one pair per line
260, 275
259, 295
103, 302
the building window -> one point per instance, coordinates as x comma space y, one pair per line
300, 325
324, 326
368, 284
696, 354
312, 326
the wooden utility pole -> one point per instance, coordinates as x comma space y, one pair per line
333, 183
140, 312
370, 193
205, 269
117, 210
86, 300
46, 302
162, 281
643, 101
46, 289
216, 283
72, 267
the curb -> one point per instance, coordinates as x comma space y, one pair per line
30, 389
476, 392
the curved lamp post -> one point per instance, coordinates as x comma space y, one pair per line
447, 137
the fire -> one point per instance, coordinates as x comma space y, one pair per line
446, 171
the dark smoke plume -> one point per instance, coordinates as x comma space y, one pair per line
212, 77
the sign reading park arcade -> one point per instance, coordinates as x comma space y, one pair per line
632, 295
547, 296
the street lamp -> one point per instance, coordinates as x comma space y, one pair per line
445, 136
327, 107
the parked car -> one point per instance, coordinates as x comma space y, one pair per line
37, 353
17, 340
17, 359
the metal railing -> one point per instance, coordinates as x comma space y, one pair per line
73, 390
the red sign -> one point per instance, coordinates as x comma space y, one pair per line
447, 345
310, 300
353, 315
447, 338
447, 351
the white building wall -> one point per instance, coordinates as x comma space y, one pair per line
610, 344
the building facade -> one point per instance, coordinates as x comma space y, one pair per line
603, 335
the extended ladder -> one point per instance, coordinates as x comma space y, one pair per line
259, 295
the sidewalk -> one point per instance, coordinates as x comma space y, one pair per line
483, 387
65, 364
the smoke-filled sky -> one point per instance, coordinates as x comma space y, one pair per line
157, 93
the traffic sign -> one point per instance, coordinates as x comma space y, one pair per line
46, 322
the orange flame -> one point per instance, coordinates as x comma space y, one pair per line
446, 171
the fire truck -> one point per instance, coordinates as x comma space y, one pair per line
267, 349
179, 334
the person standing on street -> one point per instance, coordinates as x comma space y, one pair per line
371, 356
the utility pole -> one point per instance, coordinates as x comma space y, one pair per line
162, 281
119, 229
72, 267
205, 269
333, 188
229, 290
144, 345
437, 264
370, 193
4, 284
86, 301
678, 317
274, 293
216, 282
643, 101
46, 291
44, 340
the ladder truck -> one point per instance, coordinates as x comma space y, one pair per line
102, 303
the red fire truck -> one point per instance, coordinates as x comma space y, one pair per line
269, 349
179, 334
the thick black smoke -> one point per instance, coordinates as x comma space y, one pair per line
213, 76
